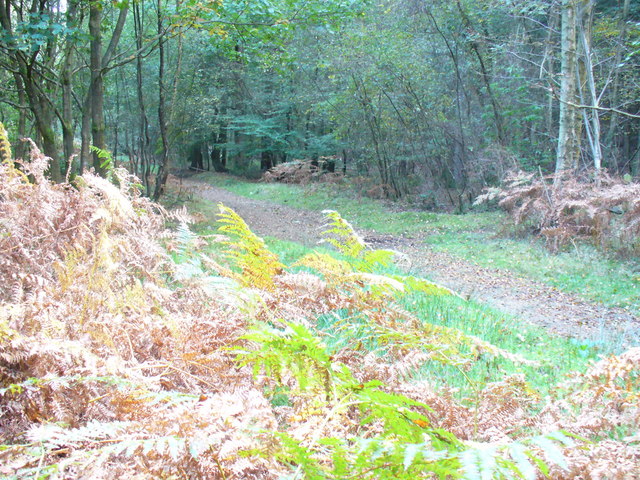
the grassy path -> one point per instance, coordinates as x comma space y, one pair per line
534, 302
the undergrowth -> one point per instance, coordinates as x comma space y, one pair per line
605, 210
481, 237
121, 358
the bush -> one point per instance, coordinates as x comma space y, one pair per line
607, 211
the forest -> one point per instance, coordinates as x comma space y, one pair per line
320, 239
432, 100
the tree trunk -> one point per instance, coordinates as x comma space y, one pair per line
163, 171
144, 139
587, 84
43, 114
34, 84
85, 133
635, 159
547, 71
65, 80
568, 141
97, 85
97, 64
613, 123
18, 148
486, 77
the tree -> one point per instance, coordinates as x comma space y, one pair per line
31, 46
98, 65
568, 140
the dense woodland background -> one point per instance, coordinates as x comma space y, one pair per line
138, 342
430, 100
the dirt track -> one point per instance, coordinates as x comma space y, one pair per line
537, 303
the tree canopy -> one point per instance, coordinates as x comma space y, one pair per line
418, 97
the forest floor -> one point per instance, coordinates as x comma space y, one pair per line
534, 302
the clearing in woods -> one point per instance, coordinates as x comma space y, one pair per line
559, 312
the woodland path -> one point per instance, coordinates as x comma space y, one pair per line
561, 313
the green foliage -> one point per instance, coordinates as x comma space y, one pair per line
248, 251
290, 350
407, 446
106, 160
38, 28
343, 236
5, 146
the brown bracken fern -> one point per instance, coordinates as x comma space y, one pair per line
120, 360
606, 211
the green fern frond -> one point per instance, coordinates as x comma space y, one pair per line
371, 259
293, 350
106, 159
325, 264
343, 236
5, 146
248, 251
436, 453
348, 242
185, 239
521, 459
414, 284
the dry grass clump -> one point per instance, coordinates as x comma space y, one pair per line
119, 360
607, 210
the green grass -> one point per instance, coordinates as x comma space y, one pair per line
555, 356
583, 269
472, 236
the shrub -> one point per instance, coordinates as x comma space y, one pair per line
606, 211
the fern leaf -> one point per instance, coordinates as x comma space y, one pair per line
410, 455
522, 466
348, 242
5, 146
425, 286
325, 264
479, 463
343, 236
248, 251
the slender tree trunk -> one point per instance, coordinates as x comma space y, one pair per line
587, 84
85, 133
613, 122
18, 148
116, 124
635, 159
547, 71
44, 123
486, 77
65, 79
97, 64
163, 171
568, 143
97, 85
144, 139
67, 110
